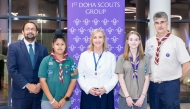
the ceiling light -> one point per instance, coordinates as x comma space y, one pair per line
41, 21
176, 16
14, 14
41, 14
133, 27
15, 18
129, 10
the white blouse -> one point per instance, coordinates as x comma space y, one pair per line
105, 71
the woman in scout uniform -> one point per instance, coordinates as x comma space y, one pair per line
133, 72
96, 74
57, 75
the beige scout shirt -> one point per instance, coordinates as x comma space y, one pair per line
124, 67
172, 54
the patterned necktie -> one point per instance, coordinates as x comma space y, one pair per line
60, 65
156, 61
31, 53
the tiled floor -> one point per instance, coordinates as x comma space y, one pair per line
183, 106
5, 107
4, 93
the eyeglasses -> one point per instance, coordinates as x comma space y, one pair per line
161, 23
30, 29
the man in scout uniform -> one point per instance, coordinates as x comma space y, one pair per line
169, 62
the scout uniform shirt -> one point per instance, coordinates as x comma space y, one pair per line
49, 69
134, 86
172, 54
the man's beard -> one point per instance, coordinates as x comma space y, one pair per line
28, 38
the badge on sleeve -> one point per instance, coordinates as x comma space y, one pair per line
75, 72
145, 69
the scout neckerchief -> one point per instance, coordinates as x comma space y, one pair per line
160, 42
96, 63
60, 64
134, 65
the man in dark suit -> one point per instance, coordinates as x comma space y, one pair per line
23, 60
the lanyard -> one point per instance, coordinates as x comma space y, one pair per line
96, 63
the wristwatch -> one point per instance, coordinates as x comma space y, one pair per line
66, 98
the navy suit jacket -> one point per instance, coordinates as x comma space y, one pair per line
20, 67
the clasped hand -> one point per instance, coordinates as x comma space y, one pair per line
33, 88
138, 103
97, 91
58, 105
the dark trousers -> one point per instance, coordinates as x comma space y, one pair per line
27, 103
165, 95
89, 101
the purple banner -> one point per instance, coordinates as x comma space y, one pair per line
86, 15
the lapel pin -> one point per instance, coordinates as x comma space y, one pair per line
167, 55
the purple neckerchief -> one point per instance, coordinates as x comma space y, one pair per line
134, 65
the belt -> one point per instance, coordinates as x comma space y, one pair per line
160, 82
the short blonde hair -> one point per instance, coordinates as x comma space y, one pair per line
105, 45
127, 48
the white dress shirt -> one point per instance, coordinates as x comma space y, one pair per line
105, 71
27, 45
172, 54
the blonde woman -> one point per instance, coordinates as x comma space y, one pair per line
133, 72
96, 74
